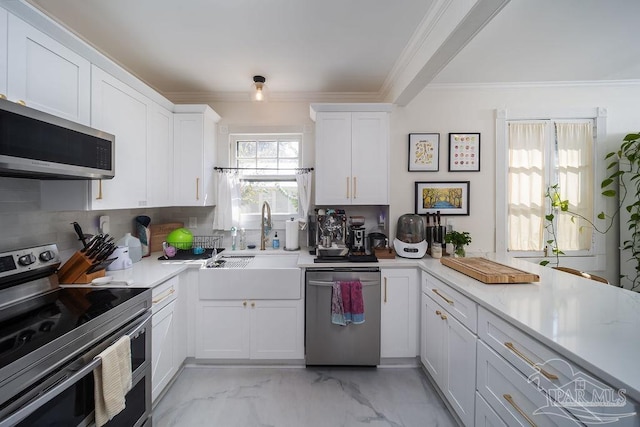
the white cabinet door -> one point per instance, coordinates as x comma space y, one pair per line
181, 330
432, 341
223, 330
399, 313
460, 369
46, 75
118, 109
194, 157
4, 24
160, 157
333, 158
163, 365
370, 158
277, 329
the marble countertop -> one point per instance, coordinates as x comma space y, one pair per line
594, 325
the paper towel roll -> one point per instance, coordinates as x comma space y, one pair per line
291, 234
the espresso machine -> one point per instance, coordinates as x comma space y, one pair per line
357, 235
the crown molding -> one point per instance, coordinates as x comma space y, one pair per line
516, 85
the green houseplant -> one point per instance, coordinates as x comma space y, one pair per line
623, 182
459, 239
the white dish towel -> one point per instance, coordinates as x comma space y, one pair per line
112, 380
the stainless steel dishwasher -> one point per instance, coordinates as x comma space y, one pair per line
329, 344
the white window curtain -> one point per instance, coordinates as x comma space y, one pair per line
525, 186
227, 210
575, 181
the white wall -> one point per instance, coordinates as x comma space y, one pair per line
449, 109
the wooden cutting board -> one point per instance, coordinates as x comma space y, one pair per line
488, 271
158, 234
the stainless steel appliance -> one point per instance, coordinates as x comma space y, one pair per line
356, 233
331, 234
329, 344
49, 337
34, 144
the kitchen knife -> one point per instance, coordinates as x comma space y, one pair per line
80, 234
101, 265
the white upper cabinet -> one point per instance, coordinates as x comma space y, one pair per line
160, 157
4, 23
352, 153
194, 155
118, 109
45, 74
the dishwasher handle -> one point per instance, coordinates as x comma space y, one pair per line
330, 284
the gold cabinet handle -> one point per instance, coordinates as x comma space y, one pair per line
244, 303
253, 304
437, 292
21, 102
198, 188
347, 187
164, 296
3, 96
521, 355
355, 187
443, 316
438, 312
385, 290
99, 190
509, 399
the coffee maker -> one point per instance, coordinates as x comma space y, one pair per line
357, 235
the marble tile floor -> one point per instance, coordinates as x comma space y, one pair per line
301, 397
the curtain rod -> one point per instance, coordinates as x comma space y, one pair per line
222, 169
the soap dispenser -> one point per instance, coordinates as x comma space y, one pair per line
276, 241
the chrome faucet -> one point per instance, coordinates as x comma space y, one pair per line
265, 225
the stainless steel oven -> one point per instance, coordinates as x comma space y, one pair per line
49, 337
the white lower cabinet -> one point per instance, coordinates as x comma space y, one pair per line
399, 313
448, 349
516, 399
485, 416
250, 329
165, 359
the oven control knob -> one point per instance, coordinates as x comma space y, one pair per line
26, 259
46, 256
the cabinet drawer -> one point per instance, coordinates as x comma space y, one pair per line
459, 306
164, 293
557, 376
485, 416
513, 397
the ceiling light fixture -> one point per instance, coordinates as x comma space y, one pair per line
258, 92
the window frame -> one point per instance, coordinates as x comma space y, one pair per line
596, 258
252, 221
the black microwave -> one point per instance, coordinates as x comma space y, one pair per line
34, 144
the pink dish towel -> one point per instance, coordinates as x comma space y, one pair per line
357, 303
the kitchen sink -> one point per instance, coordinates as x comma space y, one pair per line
251, 277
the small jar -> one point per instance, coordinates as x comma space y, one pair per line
436, 251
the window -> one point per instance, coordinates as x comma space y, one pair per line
267, 166
533, 155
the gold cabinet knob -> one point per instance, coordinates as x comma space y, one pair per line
244, 303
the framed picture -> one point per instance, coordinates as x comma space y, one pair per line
464, 152
424, 152
448, 197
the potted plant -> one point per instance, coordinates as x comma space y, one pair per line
459, 239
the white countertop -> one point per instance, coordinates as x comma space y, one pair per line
595, 325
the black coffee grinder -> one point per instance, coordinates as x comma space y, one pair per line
357, 235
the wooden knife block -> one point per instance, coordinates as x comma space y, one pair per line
74, 270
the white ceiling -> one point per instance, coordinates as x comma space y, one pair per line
354, 47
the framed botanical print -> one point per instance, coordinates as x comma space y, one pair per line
424, 152
464, 152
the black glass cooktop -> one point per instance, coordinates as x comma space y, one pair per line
30, 324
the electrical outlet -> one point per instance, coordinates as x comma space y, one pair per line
193, 222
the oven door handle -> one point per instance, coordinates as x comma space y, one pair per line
51, 391
330, 284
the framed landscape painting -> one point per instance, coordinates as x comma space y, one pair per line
448, 197
424, 152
